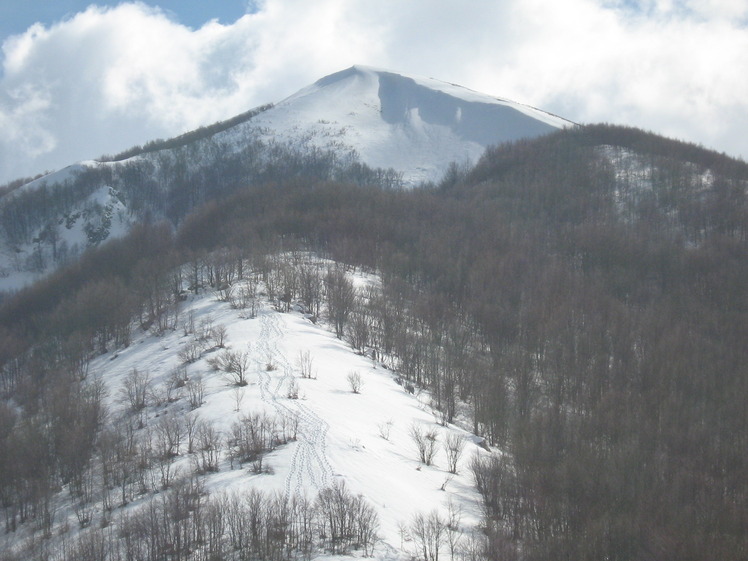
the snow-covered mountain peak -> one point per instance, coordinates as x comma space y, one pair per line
415, 125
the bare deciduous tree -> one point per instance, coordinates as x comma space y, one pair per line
238, 395
346, 519
191, 352
195, 391
454, 445
425, 442
358, 331
208, 447
219, 333
136, 389
341, 296
235, 364
428, 532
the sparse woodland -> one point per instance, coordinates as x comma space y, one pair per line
591, 317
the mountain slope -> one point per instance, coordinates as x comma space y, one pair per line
295, 398
407, 129
415, 125
584, 293
340, 433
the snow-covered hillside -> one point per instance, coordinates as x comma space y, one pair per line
99, 216
333, 417
416, 125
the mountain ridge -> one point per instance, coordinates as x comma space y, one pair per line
416, 125
360, 124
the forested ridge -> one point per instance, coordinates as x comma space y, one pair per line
582, 294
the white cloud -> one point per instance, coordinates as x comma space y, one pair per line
674, 72
106, 79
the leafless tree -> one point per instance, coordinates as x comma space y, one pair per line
188, 325
195, 391
341, 297
190, 352
310, 287
84, 505
224, 292
245, 297
176, 383
204, 331
168, 434
346, 519
238, 395
235, 364
219, 333
454, 445
425, 442
136, 389
190, 430
454, 528
358, 330
429, 533
208, 447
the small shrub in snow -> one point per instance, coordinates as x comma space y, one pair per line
385, 429
191, 352
306, 364
293, 389
235, 364
355, 381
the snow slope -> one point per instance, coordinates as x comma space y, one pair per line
100, 216
416, 125
361, 438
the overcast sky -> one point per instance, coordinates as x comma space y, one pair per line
78, 81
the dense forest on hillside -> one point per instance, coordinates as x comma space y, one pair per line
165, 180
583, 294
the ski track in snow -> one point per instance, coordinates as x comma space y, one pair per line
309, 461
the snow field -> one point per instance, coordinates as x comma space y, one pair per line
361, 438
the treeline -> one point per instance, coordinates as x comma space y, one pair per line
652, 145
594, 320
200, 133
187, 522
11, 186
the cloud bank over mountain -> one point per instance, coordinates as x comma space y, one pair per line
107, 78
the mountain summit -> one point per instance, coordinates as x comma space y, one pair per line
415, 125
